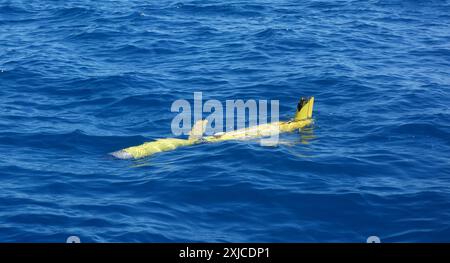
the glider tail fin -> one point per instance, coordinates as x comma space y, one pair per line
304, 109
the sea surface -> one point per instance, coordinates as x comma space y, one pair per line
80, 79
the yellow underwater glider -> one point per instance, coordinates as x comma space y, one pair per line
302, 118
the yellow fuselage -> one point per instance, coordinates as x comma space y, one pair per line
302, 118
162, 145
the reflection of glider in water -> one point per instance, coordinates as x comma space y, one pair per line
302, 118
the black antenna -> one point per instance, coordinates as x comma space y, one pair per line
301, 103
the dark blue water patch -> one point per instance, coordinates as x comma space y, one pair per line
12, 14
210, 10
94, 35
421, 129
72, 13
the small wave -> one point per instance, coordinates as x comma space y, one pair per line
422, 130
95, 35
12, 11
220, 9
69, 13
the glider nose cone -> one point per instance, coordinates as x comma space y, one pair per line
122, 155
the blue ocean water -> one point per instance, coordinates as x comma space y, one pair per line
80, 79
